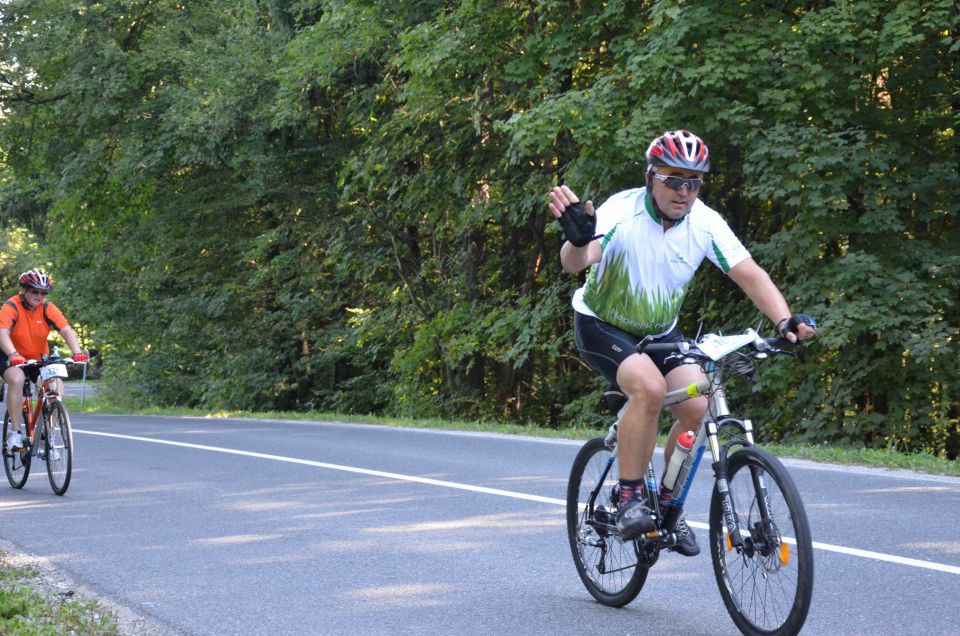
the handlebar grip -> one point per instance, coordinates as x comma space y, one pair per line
780, 342
666, 347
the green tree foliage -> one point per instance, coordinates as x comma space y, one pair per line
341, 204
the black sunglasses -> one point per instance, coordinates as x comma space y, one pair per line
675, 183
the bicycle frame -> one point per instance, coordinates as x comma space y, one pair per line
716, 415
32, 413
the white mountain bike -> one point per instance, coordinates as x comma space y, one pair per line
759, 536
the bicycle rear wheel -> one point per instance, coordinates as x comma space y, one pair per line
607, 565
767, 584
58, 446
15, 463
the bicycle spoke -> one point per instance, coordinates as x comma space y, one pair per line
16, 463
764, 592
607, 565
59, 448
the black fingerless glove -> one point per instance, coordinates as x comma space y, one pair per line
578, 226
790, 325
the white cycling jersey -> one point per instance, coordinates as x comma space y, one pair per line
639, 283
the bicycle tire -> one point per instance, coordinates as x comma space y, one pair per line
15, 463
607, 565
767, 585
58, 446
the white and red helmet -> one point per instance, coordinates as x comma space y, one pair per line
36, 279
678, 149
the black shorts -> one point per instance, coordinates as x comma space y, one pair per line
604, 347
33, 373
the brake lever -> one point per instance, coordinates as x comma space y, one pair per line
682, 357
782, 351
761, 346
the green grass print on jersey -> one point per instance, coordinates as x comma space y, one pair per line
616, 300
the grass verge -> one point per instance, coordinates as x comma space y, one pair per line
30, 606
877, 458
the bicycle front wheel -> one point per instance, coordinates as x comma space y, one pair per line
16, 463
767, 584
58, 447
606, 563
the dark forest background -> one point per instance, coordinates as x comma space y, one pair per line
341, 205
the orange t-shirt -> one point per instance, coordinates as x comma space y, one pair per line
29, 329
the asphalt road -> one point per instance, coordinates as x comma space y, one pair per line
240, 527
76, 388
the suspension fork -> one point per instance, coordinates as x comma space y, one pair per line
720, 472
763, 498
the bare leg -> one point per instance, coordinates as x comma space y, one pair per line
14, 378
689, 413
641, 382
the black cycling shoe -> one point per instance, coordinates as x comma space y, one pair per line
686, 540
635, 518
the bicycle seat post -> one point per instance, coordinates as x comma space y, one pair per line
616, 403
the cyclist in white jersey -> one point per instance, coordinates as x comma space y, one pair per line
643, 247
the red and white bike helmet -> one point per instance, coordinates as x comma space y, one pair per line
36, 279
678, 149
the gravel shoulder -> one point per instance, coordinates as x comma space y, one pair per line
54, 583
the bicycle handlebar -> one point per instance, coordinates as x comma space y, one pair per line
773, 345
662, 347
48, 361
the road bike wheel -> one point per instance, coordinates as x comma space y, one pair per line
607, 565
58, 446
766, 585
15, 463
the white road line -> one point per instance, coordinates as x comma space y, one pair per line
867, 554
347, 469
892, 558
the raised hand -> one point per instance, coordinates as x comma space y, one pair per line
578, 220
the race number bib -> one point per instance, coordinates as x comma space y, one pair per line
53, 371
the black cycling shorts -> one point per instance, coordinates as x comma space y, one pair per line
31, 372
604, 347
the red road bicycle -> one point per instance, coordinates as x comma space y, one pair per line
47, 434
